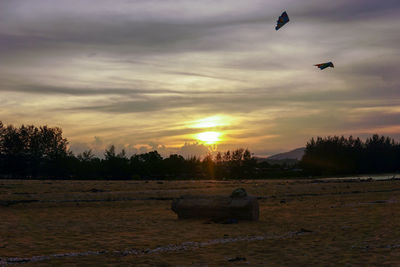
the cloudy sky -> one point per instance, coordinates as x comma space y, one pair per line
156, 74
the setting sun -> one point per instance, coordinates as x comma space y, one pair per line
209, 137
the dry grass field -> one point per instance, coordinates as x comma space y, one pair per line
130, 223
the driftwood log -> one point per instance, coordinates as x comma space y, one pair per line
236, 207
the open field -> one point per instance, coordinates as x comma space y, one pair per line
130, 223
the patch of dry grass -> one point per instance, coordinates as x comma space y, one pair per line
351, 223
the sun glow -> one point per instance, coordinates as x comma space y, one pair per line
209, 137
210, 122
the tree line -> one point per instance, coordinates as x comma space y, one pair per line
30, 152
341, 155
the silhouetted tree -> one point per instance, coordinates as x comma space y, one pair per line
339, 155
90, 166
174, 166
148, 165
29, 151
193, 168
116, 166
42, 152
249, 165
208, 167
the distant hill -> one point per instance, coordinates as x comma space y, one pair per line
288, 158
293, 154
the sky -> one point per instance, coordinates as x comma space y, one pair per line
188, 76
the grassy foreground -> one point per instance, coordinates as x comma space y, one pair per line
339, 223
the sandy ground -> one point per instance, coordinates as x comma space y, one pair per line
130, 223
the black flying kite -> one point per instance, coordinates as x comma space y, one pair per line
324, 65
282, 20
